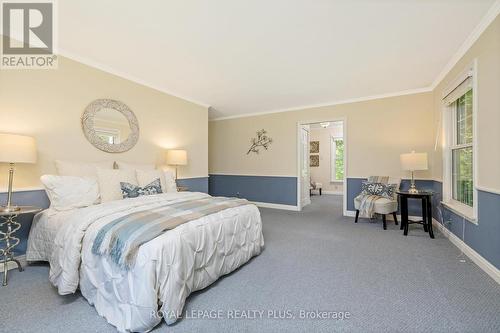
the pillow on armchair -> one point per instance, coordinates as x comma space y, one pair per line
380, 189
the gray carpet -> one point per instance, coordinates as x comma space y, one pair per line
315, 260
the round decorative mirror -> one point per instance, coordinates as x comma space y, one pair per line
110, 125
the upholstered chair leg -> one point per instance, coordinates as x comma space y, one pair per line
357, 215
320, 190
385, 223
395, 218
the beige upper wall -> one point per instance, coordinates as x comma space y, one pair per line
487, 52
378, 131
48, 104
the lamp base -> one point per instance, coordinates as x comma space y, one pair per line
9, 209
413, 188
413, 191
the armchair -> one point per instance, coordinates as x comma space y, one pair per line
381, 205
315, 186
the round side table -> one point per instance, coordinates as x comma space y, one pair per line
426, 198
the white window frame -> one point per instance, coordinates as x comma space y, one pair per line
449, 129
333, 159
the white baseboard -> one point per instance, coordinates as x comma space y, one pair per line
12, 265
350, 213
484, 264
479, 260
332, 192
275, 206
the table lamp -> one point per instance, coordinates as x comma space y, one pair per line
15, 149
413, 162
176, 157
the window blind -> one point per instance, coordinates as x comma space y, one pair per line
455, 93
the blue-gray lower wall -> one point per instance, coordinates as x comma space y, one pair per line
199, 184
277, 190
484, 237
26, 198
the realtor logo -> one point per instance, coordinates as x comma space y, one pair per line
28, 35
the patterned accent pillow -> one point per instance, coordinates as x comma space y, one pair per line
383, 190
134, 191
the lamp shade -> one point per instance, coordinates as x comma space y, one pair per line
17, 148
176, 157
414, 161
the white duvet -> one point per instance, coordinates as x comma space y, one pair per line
167, 269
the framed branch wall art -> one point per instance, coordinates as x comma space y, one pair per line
261, 141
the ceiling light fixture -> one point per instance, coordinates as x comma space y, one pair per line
325, 125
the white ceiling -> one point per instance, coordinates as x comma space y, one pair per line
256, 56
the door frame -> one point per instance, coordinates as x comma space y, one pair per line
301, 204
346, 146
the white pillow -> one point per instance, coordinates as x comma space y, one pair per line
167, 179
135, 166
68, 192
171, 185
145, 177
109, 183
78, 169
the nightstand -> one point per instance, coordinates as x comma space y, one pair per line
8, 226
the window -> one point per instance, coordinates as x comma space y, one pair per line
459, 151
337, 155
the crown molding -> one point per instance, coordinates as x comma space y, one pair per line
490, 16
94, 64
467, 44
345, 101
126, 76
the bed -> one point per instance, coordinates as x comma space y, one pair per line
166, 269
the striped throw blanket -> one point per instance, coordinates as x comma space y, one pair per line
121, 238
367, 205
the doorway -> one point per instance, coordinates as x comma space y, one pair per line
322, 161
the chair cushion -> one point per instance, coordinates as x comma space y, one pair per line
381, 206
